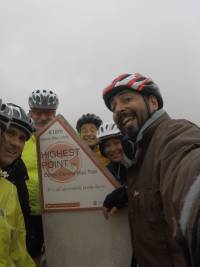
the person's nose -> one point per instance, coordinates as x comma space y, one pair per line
111, 148
43, 116
16, 142
120, 107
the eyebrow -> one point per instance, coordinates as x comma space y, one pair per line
125, 92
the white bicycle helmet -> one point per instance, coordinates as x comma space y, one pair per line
11, 114
43, 99
106, 132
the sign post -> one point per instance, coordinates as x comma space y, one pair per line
73, 187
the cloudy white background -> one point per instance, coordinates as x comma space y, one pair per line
76, 47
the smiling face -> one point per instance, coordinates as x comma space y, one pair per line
113, 150
42, 117
11, 145
89, 134
130, 111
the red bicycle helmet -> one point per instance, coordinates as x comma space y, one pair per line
135, 82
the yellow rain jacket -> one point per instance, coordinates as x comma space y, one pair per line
105, 161
13, 251
29, 157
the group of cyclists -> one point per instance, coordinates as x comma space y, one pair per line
17, 132
155, 158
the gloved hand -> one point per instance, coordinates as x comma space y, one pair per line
118, 198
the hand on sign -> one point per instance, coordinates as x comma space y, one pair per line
115, 201
109, 212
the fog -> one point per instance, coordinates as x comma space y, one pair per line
76, 48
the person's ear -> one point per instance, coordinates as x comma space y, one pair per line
29, 113
153, 103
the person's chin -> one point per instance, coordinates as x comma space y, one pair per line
92, 144
116, 160
40, 126
131, 132
7, 162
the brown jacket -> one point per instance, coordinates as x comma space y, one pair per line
167, 163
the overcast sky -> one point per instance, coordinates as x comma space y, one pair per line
77, 47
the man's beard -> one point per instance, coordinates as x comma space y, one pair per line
41, 123
131, 131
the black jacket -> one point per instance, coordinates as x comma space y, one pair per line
119, 171
17, 174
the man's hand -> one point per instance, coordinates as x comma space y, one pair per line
115, 201
109, 212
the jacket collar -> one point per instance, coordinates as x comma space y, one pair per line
151, 124
144, 135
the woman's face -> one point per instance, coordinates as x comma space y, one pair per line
113, 150
89, 134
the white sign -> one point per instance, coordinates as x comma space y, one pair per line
71, 175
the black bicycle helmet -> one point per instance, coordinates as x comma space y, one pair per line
88, 118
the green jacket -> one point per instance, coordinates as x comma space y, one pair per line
29, 157
13, 251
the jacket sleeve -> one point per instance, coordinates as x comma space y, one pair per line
18, 251
179, 167
190, 221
